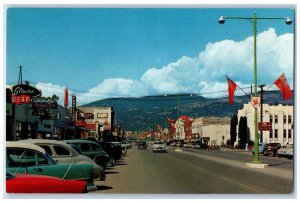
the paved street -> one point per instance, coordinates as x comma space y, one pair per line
196, 172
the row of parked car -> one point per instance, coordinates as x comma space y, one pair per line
275, 149
54, 165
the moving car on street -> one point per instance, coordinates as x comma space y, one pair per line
142, 145
27, 183
159, 146
26, 158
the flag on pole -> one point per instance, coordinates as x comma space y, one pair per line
66, 99
284, 87
231, 90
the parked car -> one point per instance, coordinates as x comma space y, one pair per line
271, 149
93, 150
286, 151
113, 150
261, 148
28, 158
123, 147
64, 153
200, 145
28, 183
142, 145
159, 146
127, 144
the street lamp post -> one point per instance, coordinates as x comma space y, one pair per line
254, 19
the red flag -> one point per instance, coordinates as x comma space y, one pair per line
231, 90
66, 100
284, 87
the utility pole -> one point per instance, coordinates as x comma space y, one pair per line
20, 81
261, 109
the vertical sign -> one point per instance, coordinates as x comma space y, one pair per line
73, 106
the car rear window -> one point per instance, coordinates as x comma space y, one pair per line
47, 149
61, 150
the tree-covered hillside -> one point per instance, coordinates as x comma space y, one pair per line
139, 114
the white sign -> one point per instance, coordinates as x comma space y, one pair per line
255, 102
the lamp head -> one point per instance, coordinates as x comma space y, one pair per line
288, 21
222, 20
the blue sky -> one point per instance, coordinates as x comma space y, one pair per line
101, 52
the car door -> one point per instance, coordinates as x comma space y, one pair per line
33, 162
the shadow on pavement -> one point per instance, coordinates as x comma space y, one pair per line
111, 172
103, 187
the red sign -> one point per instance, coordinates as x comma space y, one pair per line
22, 99
264, 126
80, 123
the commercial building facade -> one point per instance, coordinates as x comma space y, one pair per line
281, 118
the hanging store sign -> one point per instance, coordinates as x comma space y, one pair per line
264, 126
20, 99
44, 105
73, 104
89, 115
18, 90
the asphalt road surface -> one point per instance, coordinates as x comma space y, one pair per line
194, 172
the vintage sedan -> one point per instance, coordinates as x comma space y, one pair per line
27, 183
159, 146
93, 150
26, 158
64, 153
286, 151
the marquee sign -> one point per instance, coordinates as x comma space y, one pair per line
19, 90
22, 94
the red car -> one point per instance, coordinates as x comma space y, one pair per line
25, 183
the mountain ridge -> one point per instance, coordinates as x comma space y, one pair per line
142, 113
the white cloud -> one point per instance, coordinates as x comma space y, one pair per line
204, 73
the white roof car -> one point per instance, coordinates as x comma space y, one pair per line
159, 146
12, 144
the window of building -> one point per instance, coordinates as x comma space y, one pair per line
276, 118
271, 118
284, 133
290, 119
271, 134
290, 133
276, 134
284, 119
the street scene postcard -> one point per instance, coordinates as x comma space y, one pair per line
149, 101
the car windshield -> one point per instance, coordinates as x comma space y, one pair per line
158, 142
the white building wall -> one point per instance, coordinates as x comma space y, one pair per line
213, 128
271, 112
